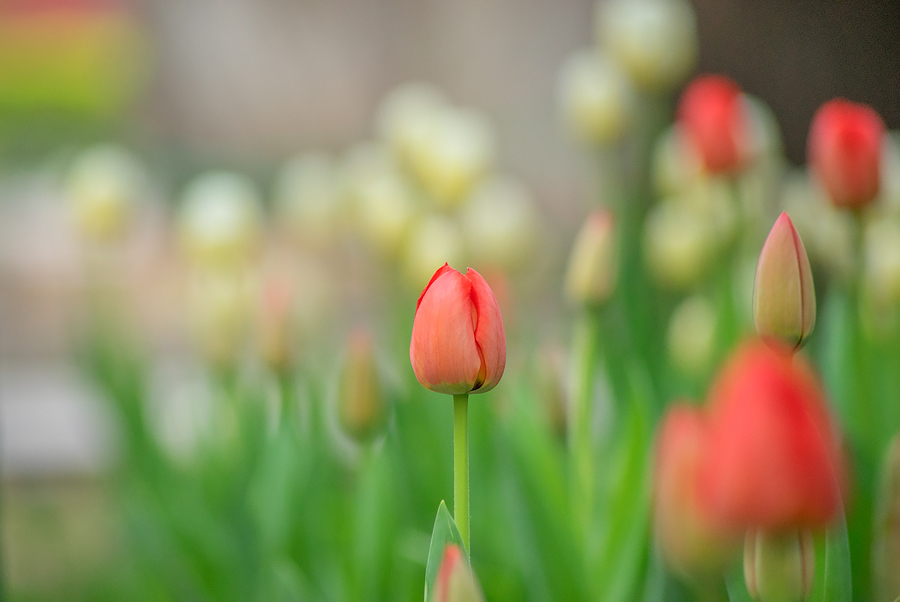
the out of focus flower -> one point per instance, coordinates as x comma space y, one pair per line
779, 567
886, 540
784, 298
655, 41
103, 185
595, 96
361, 403
459, 151
220, 218
679, 244
592, 271
692, 335
689, 543
455, 581
844, 151
551, 386
406, 117
276, 322
458, 342
773, 460
432, 240
501, 223
308, 198
676, 164
714, 121
220, 303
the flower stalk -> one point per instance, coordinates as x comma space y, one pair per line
461, 466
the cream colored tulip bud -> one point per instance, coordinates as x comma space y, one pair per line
460, 150
501, 224
784, 299
592, 271
779, 567
220, 218
886, 544
103, 185
308, 199
692, 335
679, 244
882, 261
433, 240
655, 41
361, 403
676, 165
406, 116
595, 97
220, 302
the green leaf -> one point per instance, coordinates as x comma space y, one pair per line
444, 532
838, 578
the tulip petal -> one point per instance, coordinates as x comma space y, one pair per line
490, 336
443, 351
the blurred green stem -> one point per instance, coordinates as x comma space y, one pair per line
461, 466
584, 360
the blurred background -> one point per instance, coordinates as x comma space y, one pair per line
245, 85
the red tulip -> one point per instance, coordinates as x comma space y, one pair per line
458, 343
711, 111
455, 581
688, 541
844, 151
772, 460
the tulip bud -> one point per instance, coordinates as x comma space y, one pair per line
220, 218
712, 113
308, 198
784, 299
276, 323
779, 567
103, 185
692, 335
679, 244
455, 580
773, 460
882, 261
688, 542
596, 97
432, 239
458, 342
655, 41
676, 164
844, 151
405, 119
591, 276
361, 406
220, 303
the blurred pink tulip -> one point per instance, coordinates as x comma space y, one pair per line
711, 111
458, 342
844, 151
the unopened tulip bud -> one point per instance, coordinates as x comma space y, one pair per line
220, 218
405, 119
592, 272
886, 540
433, 240
844, 151
458, 342
103, 185
882, 261
221, 304
784, 299
308, 198
655, 41
692, 335
779, 567
676, 164
713, 116
596, 97
361, 404
679, 244
455, 580
688, 542
276, 323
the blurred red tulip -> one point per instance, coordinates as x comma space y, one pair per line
689, 543
773, 460
458, 342
455, 581
711, 111
844, 151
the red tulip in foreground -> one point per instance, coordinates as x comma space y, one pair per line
711, 111
844, 151
687, 540
773, 460
458, 343
784, 299
458, 347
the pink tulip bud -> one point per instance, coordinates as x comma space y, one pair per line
361, 405
687, 540
779, 567
844, 151
458, 342
712, 113
773, 459
784, 299
591, 275
455, 581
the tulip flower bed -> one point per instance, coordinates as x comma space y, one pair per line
723, 424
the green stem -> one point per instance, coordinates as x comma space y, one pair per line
584, 361
461, 466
